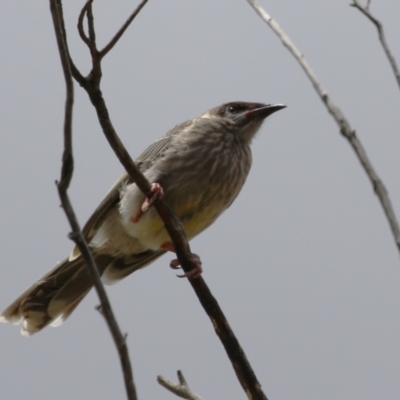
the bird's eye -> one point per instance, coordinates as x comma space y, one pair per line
234, 109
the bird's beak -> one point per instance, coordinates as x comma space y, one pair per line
264, 111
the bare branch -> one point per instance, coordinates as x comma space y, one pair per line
123, 28
181, 389
344, 126
178, 236
174, 227
63, 184
381, 35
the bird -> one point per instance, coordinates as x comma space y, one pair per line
198, 167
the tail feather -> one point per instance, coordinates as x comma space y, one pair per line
52, 298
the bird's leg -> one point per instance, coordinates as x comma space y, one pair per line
168, 246
174, 264
157, 193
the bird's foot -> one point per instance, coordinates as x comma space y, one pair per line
157, 193
175, 264
193, 273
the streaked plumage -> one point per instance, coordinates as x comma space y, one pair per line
201, 164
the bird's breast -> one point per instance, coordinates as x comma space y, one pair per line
200, 180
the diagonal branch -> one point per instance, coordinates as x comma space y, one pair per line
381, 35
63, 184
345, 129
173, 225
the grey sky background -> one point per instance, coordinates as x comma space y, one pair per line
303, 263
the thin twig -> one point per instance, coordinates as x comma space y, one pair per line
81, 29
345, 128
381, 35
63, 184
89, 16
123, 28
174, 227
74, 69
181, 389
67, 158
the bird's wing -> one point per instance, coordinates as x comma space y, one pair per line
121, 267
150, 155
144, 162
108, 203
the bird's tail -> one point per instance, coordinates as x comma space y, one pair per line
52, 298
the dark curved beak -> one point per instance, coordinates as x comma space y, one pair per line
264, 111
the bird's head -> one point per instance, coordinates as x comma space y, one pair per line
247, 117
